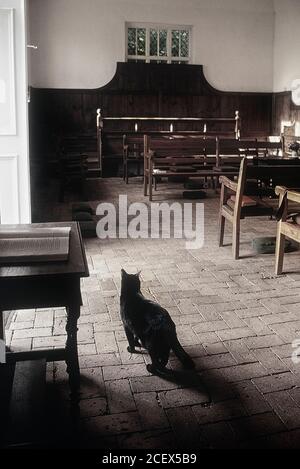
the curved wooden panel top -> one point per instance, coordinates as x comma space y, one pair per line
165, 78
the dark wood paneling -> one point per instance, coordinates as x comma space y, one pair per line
139, 89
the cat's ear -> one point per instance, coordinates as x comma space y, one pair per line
139, 273
123, 273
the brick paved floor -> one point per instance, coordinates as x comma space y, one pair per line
236, 318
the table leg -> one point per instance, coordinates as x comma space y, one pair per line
2, 332
73, 313
2, 339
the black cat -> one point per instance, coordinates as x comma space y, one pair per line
148, 324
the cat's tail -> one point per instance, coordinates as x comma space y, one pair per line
181, 354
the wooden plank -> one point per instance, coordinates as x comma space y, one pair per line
26, 410
50, 355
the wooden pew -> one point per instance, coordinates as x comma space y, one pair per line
110, 129
133, 152
168, 156
268, 148
231, 151
284, 228
133, 145
262, 177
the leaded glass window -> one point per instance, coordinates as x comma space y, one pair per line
158, 43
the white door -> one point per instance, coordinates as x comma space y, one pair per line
14, 154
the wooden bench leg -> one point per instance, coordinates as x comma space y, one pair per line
150, 188
126, 173
145, 184
280, 244
221, 217
2, 339
236, 240
221, 230
73, 313
2, 331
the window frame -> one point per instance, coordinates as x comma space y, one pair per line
157, 58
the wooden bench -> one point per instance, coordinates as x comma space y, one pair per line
133, 145
284, 228
183, 157
270, 148
133, 152
231, 151
262, 178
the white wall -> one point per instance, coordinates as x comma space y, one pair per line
286, 43
81, 41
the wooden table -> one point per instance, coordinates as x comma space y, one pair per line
48, 285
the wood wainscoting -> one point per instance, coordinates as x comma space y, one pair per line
284, 110
139, 89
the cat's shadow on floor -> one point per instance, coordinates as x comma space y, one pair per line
184, 378
188, 379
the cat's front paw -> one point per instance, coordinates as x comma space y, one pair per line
151, 369
131, 349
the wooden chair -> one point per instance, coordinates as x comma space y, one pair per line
284, 228
235, 211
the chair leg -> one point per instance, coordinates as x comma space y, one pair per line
145, 184
126, 177
150, 188
236, 240
221, 217
221, 230
280, 243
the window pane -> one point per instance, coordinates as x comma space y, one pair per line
184, 43
131, 41
175, 43
153, 42
141, 41
163, 42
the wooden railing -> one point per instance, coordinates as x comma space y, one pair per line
115, 127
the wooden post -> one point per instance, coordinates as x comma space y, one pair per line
146, 169
221, 217
217, 152
237, 125
280, 238
99, 124
150, 179
282, 145
237, 209
2, 339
